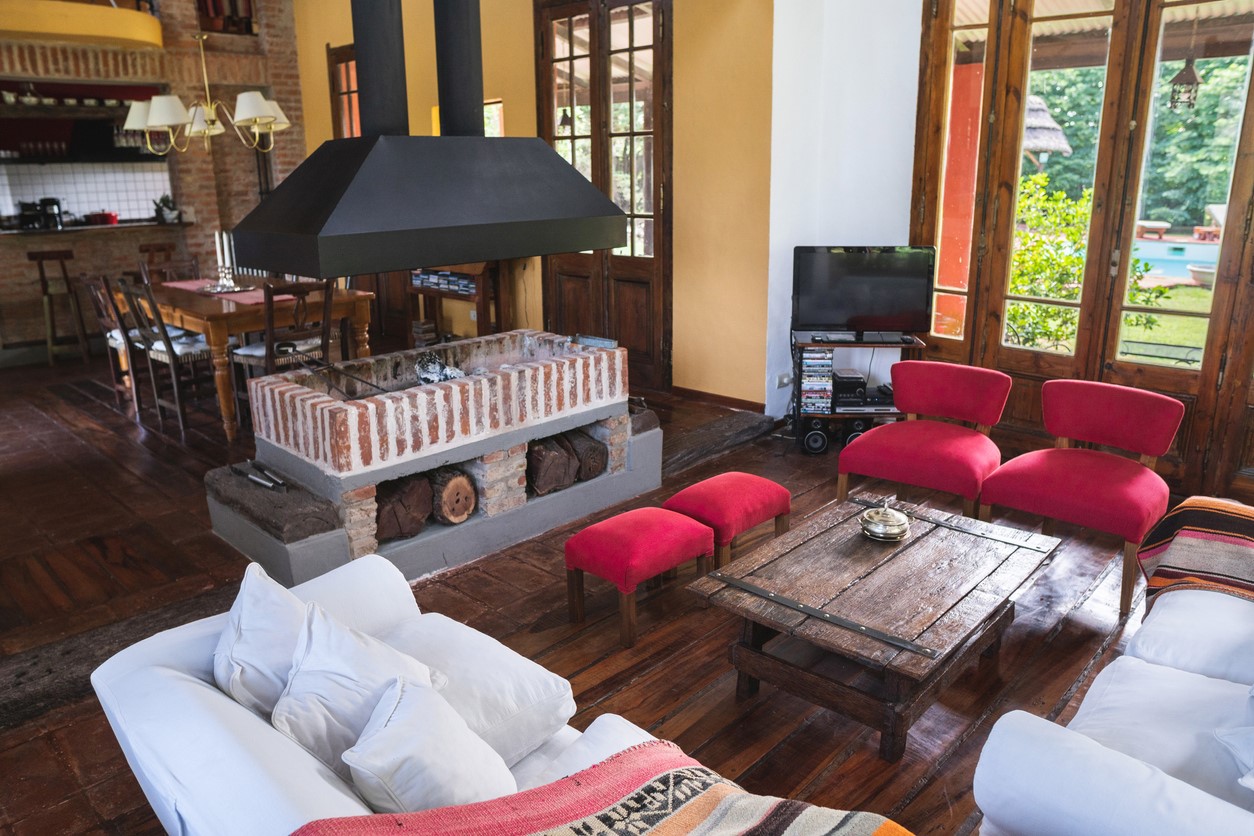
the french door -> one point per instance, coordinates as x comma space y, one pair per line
604, 105
1092, 216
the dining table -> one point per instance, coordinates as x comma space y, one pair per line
220, 316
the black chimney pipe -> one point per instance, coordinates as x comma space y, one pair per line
379, 44
459, 67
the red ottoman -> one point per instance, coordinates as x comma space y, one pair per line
629, 548
732, 503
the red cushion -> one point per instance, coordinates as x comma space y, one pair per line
635, 545
731, 503
1097, 490
930, 454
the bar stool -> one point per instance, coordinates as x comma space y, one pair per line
42, 259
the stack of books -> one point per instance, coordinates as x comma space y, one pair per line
460, 283
424, 333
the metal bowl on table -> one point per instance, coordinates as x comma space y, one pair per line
885, 523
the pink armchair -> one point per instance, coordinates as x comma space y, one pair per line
1094, 488
928, 453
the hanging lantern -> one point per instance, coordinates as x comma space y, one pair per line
1185, 83
1184, 86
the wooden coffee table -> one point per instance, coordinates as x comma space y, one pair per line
874, 630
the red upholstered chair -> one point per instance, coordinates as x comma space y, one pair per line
1094, 488
631, 547
927, 453
732, 503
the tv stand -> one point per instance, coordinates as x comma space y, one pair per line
819, 414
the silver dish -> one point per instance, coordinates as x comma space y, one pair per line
227, 288
884, 523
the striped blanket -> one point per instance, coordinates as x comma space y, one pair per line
650, 788
1203, 542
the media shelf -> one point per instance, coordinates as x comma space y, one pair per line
823, 408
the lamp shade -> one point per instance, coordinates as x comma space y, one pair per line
167, 112
136, 117
281, 122
252, 110
202, 126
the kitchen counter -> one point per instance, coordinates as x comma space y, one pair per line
93, 228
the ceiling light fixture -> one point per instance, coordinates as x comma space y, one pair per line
255, 121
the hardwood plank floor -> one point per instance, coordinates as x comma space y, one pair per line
103, 519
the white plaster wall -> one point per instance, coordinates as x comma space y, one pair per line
844, 89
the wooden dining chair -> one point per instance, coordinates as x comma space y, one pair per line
123, 352
170, 270
298, 329
171, 360
54, 285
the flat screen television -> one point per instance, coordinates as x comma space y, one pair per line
862, 289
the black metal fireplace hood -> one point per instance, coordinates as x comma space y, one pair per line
389, 201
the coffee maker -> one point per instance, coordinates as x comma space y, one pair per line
30, 217
50, 208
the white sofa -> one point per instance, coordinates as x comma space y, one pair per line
210, 766
1141, 755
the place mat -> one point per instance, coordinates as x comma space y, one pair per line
243, 297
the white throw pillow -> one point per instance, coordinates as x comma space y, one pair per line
1240, 743
417, 753
338, 677
507, 699
254, 654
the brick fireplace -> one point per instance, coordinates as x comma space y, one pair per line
340, 435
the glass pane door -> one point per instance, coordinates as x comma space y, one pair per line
1054, 202
1186, 178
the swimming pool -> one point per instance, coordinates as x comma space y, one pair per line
1172, 258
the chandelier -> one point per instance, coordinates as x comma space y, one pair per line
255, 121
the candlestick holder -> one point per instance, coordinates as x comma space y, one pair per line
226, 276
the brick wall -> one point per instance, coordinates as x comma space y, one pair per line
218, 185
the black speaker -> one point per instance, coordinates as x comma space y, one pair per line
855, 428
815, 441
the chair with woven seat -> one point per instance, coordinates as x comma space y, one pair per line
53, 286
171, 359
930, 453
123, 352
295, 333
1094, 488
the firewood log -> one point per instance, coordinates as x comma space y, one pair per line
453, 495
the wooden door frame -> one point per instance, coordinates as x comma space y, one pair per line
663, 155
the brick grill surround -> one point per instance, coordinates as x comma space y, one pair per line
516, 380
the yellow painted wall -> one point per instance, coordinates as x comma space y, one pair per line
722, 177
722, 121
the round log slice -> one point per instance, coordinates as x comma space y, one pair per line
453, 495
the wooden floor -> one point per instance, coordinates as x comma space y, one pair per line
103, 519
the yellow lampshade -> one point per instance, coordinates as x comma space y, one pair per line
252, 110
201, 126
167, 112
136, 117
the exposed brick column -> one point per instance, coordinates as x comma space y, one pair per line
359, 514
614, 434
500, 479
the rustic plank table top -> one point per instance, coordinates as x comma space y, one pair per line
946, 587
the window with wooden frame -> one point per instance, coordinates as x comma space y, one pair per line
342, 69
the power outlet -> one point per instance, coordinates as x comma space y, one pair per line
782, 379
474, 315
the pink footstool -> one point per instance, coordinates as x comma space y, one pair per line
629, 548
732, 503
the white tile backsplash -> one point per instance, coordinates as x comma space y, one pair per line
126, 188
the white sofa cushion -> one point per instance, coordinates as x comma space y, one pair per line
1167, 718
254, 654
505, 698
1198, 630
1240, 744
607, 735
416, 753
338, 677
